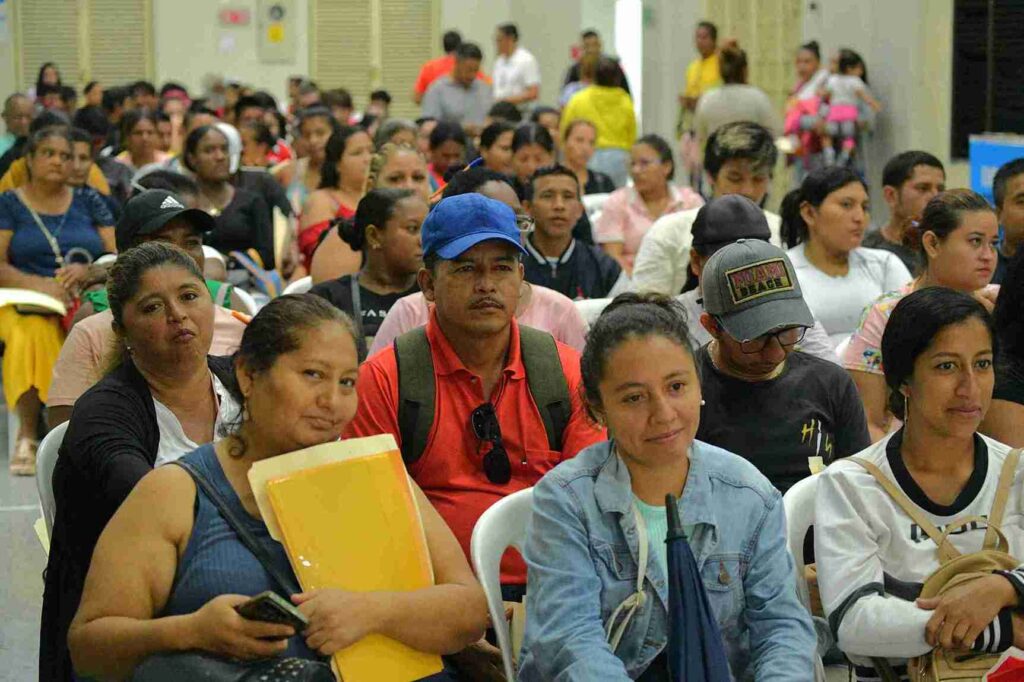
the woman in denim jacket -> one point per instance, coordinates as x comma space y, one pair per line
583, 542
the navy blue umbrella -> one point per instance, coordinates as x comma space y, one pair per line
695, 649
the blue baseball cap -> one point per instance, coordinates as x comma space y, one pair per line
459, 223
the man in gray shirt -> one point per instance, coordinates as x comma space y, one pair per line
460, 97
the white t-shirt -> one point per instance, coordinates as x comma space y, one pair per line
662, 262
174, 444
872, 558
515, 73
839, 301
843, 89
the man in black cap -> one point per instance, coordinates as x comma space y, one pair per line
153, 215
787, 412
719, 223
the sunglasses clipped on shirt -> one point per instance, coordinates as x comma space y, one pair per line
497, 466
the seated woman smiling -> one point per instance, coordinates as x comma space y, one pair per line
585, 534
168, 570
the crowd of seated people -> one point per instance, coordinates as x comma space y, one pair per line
531, 301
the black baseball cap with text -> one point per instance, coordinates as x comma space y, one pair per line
148, 213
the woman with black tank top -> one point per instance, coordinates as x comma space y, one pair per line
169, 570
386, 229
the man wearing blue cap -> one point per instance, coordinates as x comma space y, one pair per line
481, 406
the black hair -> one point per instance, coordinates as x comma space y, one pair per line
849, 59
42, 69
171, 86
532, 133
711, 29
509, 30
1006, 172
813, 48
335, 149
505, 111
445, 131
492, 132
1009, 312
658, 144
161, 117
277, 329
144, 88
79, 135
114, 98
93, 120
247, 102
375, 208
317, 111
900, 168
423, 119
48, 119
193, 140
628, 316
471, 180
264, 99
943, 214
589, 33
133, 118
46, 89
815, 189
126, 274
68, 95
607, 73
914, 323
451, 40
338, 97
381, 96
469, 51
540, 111
575, 123
167, 180
549, 171
89, 86
733, 64
261, 133
741, 140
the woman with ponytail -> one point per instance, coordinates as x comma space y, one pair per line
823, 224
386, 230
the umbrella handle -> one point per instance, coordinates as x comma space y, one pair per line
675, 528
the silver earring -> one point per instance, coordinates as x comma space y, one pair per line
703, 402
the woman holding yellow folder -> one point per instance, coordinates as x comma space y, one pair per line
169, 569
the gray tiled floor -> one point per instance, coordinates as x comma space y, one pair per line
21, 572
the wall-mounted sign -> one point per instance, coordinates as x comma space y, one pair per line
234, 16
275, 30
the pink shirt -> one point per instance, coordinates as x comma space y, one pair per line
624, 217
547, 309
80, 363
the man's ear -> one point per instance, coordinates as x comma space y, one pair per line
891, 195
425, 278
245, 378
710, 325
695, 265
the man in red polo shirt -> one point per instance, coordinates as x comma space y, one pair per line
440, 66
488, 437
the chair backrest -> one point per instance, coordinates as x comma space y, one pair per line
500, 527
299, 286
593, 203
248, 301
590, 308
799, 505
46, 460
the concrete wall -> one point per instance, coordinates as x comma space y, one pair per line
668, 49
188, 43
8, 63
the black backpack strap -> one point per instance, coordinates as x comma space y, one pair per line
285, 583
416, 392
547, 383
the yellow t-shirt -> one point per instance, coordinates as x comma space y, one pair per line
702, 74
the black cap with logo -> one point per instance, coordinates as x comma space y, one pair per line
150, 211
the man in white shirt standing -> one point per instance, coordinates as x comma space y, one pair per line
739, 158
516, 71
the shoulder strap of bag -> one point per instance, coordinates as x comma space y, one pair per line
285, 583
547, 383
630, 605
47, 235
995, 516
416, 399
946, 549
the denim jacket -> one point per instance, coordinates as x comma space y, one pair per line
582, 552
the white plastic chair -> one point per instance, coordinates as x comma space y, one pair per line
299, 286
590, 308
500, 527
247, 300
798, 503
46, 460
593, 203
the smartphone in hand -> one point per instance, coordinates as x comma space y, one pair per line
270, 607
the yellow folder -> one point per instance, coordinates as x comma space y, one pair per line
347, 517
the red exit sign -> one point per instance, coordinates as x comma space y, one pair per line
235, 17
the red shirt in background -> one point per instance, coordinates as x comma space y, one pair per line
450, 472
